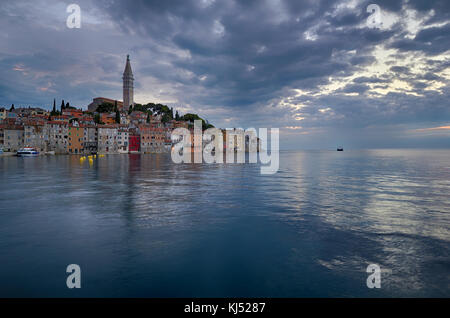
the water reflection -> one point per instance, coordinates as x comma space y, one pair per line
142, 226
390, 208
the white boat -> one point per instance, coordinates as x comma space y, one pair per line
27, 152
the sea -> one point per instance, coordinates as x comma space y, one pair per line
357, 223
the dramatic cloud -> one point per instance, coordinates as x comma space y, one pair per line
316, 69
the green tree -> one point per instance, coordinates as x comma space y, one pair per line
177, 116
192, 117
130, 110
97, 119
54, 112
117, 117
62, 104
166, 118
105, 108
148, 117
12, 108
115, 105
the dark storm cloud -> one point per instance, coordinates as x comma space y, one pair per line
236, 62
262, 49
400, 69
434, 40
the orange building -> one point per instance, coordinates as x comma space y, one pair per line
76, 139
108, 119
73, 113
153, 138
179, 124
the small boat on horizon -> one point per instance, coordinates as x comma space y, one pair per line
27, 152
340, 148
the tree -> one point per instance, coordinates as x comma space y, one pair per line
54, 112
105, 108
97, 119
67, 105
115, 105
148, 117
130, 110
12, 108
62, 105
177, 116
166, 118
192, 117
117, 117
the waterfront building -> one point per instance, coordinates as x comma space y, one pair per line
13, 138
123, 140
34, 136
134, 143
107, 139
57, 133
76, 139
90, 139
234, 139
153, 138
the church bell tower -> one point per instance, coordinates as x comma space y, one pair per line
128, 86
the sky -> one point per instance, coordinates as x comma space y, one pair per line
326, 73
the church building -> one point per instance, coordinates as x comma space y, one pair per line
128, 87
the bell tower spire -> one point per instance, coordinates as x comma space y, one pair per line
128, 79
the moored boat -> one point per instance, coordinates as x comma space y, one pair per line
27, 152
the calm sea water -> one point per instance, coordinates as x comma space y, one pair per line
141, 226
